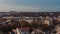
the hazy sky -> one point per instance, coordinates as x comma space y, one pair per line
30, 5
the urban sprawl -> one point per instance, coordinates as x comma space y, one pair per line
29, 22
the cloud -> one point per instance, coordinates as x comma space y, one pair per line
5, 7
30, 5
8, 7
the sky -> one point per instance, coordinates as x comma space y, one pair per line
30, 5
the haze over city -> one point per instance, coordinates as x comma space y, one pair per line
29, 16
30, 5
